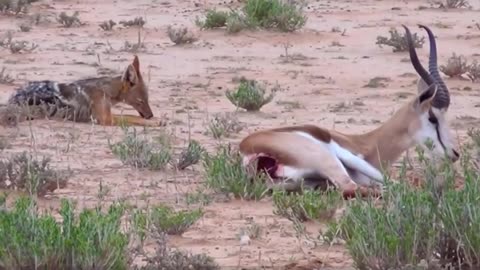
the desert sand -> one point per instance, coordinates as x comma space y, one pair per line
324, 77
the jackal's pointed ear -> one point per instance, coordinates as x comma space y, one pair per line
136, 64
130, 76
424, 99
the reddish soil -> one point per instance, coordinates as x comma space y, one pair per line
324, 79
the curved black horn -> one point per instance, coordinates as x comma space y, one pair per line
414, 59
442, 98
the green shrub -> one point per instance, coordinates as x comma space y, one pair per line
26, 172
399, 41
224, 173
435, 224
142, 153
191, 155
213, 19
283, 15
30, 240
310, 205
168, 259
249, 95
165, 219
275, 14
224, 124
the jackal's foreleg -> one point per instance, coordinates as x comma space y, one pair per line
136, 120
102, 113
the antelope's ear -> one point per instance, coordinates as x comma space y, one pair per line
424, 99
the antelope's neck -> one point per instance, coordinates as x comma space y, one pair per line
387, 143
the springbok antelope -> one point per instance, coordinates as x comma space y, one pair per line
354, 161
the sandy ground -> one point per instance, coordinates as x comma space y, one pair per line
326, 77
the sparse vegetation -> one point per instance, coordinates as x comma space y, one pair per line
165, 219
377, 82
434, 225
69, 20
25, 27
27, 173
198, 197
191, 155
180, 35
455, 67
165, 215
34, 240
249, 95
399, 41
136, 22
252, 230
168, 259
213, 19
16, 46
224, 173
15, 6
454, 4
309, 205
223, 125
286, 16
474, 71
107, 25
141, 152
5, 78
236, 22
4, 143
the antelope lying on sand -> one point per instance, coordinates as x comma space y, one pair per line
315, 154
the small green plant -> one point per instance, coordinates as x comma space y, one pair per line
455, 67
140, 152
223, 125
69, 20
165, 219
191, 155
398, 41
140, 224
310, 205
285, 16
224, 173
249, 95
25, 172
34, 240
213, 19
